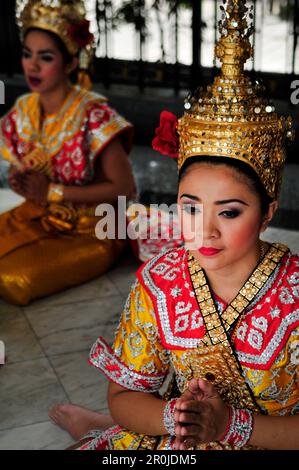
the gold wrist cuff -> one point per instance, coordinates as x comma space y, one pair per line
55, 193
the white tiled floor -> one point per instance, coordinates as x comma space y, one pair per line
47, 346
47, 349
9, 199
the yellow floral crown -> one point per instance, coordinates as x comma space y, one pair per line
231, 118
65, 18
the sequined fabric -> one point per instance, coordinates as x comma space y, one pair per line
45, 250
145, 349
64, 145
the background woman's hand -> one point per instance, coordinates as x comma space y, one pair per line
29, 184
201, 415
36, 186
16, 180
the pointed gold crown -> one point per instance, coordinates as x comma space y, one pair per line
65, 18
231, 118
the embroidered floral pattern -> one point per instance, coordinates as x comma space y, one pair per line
102, 357
166, 280
267, 340
69, 142
294, 350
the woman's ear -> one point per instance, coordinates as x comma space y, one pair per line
72, 66
269, 216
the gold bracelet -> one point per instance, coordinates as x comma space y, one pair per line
55, 193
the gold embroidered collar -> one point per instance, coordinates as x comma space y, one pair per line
217, 326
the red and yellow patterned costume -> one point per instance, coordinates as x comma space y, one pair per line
166, 324
172, 321
60, 238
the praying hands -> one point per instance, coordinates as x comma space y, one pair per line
29, 184
200, 416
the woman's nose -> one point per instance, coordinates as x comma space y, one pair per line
33, 65
210, 229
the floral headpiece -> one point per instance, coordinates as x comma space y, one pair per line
65, 18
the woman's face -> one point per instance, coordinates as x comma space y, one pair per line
43, 63
226, 212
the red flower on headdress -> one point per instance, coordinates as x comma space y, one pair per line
167, 139
80, 34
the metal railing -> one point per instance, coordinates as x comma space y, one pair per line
169, 43
174, 41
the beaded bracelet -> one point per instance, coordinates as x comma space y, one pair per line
239, 428
168, 416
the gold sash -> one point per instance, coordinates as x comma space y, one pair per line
30, 222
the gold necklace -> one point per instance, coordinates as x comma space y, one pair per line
263, 246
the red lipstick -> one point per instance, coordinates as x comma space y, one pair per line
34, 81
208, 251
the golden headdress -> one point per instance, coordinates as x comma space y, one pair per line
231, 118
65, 18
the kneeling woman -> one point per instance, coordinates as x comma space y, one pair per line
222, 312
68, 153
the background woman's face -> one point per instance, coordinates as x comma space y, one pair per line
227, 210
42, 62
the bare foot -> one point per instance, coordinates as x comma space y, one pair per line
77, 420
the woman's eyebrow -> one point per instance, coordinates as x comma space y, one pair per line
190, 196
42, 51
217, 203
226, 201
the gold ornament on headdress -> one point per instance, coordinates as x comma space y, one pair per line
231, 118
65, 18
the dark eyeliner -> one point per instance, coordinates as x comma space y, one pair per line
231, 214
47, 58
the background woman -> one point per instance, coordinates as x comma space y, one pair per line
68, 153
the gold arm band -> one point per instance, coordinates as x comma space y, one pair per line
55, 193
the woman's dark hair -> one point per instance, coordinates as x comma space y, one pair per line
67, 57
242, 168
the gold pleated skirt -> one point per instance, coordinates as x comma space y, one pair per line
37, 260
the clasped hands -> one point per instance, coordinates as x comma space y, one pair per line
29, 184
200, 416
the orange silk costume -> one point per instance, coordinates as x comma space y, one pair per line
45, 250
171, 322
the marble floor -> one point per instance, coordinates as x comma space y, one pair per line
47, 345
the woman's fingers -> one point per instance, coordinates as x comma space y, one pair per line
190, 405
188, 418
176, 415
193, 386
20, 179
202, 389
187, 395
12, 172
207, 388
189, 430
29, 184
188, 443
15, 186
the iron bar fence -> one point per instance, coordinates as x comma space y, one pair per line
170, 43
